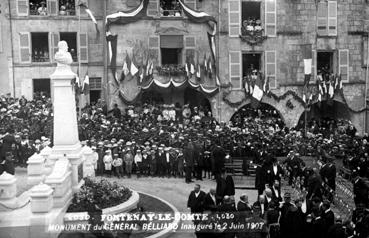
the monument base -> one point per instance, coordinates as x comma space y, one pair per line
67, 149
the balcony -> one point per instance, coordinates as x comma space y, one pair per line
171, 70
252, 32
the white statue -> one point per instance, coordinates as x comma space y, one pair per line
63, 57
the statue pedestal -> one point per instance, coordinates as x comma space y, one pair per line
66, 141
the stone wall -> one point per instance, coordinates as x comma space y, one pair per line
296, 25
5, 52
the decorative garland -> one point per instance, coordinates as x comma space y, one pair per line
282, 97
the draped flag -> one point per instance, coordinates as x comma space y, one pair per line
210, 68
198, 68
266, 85
133, 67
112, 51
257, 93
246, 83
149, 67
192, 67
126, 67
308, 60
125, 17
205, 65
86, 85
196, 16
88, 11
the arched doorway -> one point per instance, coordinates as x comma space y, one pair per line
264, 112
325, 114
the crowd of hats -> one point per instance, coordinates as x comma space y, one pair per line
28, 119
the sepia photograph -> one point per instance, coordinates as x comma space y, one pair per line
184, 118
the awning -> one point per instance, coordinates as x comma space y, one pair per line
171, 41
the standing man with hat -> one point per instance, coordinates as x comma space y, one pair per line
128, 161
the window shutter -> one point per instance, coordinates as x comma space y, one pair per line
271, 68
332, 18
270, 18
190, 45
54, 40
83, 44
191, 4
235, 69
22, 7
152, 8
1, 37
343, 62
234, 21
313, 67
322, 18
25, 47
52, 7
154, 52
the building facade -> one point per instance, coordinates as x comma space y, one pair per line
335, 30
36, 28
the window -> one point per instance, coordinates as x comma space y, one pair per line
325, 64
41, 86
170, 8
71, 39
154, 49
171, 56
40, 47
327, 18
95, 90
38, 7
67, 7
171, 49
251, 63
251, 23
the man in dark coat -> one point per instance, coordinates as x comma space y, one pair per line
284, 219
219, 159
196, 200
210, 201
327, 216
221, 187
189, 161
361, 191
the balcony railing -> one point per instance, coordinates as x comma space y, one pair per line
171, 13
171, 70
40, 56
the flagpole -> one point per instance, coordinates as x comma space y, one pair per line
366, 86
217, 61
79, 56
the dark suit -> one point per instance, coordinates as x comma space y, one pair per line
196, 204
219, 159
221, 189
209, 203
275, 197
328, 217
189, 160
275, 176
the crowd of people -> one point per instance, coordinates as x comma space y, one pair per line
186, 141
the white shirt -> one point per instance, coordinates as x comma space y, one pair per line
138, 158
213, 198
304, 206
197, 194
167, 156
275, 169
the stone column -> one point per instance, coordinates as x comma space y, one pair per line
35, 169
41, 198
65, 116
88, 167
8, 189
45, 153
